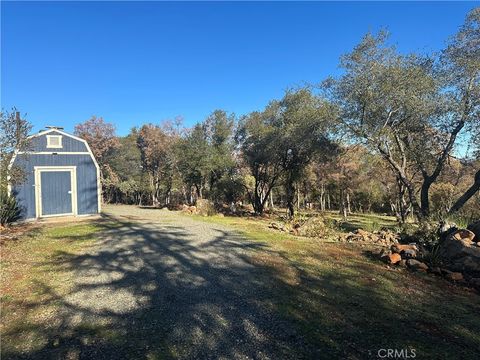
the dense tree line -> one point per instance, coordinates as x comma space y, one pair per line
394, 133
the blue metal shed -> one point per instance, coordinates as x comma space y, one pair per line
62, 177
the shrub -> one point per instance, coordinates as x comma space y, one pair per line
205, 207
432, 256
9, 209
461, 222
315, 226
426, 234
373, 226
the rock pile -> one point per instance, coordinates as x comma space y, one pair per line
278, 226
312, 227
188, 209
461, 252
203, 207
458, 253
383, 238
315, 226
401, 254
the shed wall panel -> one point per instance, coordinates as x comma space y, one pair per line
39, 143
87, 195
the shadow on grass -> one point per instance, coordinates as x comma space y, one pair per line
152, 291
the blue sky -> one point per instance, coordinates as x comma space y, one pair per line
138, 62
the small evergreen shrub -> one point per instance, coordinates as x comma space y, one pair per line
432, 256
9, 209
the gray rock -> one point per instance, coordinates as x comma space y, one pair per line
475, 228
409, 254
417, 265
462, 255
454, 276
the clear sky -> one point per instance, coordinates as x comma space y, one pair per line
138, 62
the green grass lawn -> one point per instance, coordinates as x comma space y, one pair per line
349, 304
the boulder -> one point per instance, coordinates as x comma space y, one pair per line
454, 276
475, 228
188, 209
461, 255
277, 226
409, 254
399, 248
394, 258
463, 234
417, 265
403, 263
468, 264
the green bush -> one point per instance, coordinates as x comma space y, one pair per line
9, 209
373, 226
425, 234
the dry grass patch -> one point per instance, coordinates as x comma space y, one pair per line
33, 283
350, 305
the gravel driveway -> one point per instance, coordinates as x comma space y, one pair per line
163, 285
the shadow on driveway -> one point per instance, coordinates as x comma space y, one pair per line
154, 291
180, 288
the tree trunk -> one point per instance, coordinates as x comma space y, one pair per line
298, 198
349, 210
258, 204
261, 195
343, 205
198, 189
322, 197
402, 205
424, 196
400, 171
467, 195
290, 197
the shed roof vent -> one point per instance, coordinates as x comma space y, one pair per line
54, 127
